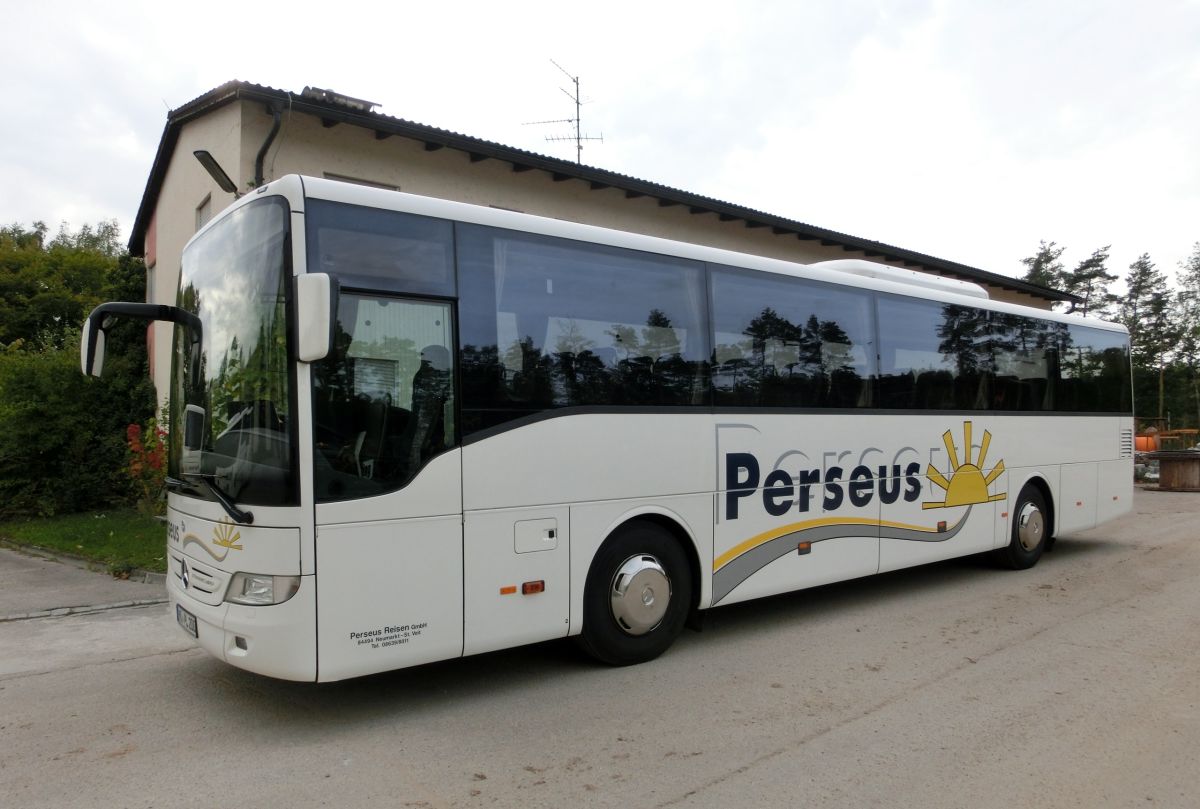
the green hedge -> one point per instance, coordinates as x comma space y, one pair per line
62, 437
62, 446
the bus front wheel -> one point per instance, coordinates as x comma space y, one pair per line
1030, 532
637, 596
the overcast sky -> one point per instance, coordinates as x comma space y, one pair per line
966, 130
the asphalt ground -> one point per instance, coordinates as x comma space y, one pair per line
1074, 684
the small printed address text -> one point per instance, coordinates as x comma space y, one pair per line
386, 636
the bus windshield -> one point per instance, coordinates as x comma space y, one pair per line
231, 416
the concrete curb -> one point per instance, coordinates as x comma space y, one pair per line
62, 612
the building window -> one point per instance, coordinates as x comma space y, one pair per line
204, 212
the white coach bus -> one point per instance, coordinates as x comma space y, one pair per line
405, 429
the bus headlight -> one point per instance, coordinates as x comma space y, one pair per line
259, 590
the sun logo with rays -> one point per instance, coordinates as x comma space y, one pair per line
226, 536
967, 484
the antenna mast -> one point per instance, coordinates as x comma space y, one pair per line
578, 137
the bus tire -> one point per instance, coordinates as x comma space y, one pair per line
625, 617
1030, 532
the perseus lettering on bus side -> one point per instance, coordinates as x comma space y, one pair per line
806, 490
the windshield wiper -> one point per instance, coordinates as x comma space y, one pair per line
243, 517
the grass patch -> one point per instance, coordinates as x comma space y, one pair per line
120, 540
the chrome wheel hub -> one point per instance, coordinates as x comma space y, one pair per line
640, 594
1030, 525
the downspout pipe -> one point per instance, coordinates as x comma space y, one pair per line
277, 114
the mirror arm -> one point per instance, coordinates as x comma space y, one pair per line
105, 314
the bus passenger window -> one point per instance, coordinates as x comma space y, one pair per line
384, 399
933, 356
550, 323
785, 342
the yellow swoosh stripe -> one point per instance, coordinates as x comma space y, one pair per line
775, 533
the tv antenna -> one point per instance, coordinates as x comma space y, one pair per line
578, 137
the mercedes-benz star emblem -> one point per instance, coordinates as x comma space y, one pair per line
183, 573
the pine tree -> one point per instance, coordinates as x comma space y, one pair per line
1146, 310
1187, 316
1044, 267
1089, 280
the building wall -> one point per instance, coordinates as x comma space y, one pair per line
235, 133
185, 187
304, 146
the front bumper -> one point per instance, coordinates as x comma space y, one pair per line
278, 640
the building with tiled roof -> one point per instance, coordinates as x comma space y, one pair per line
258, 133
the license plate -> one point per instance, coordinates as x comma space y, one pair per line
186, 620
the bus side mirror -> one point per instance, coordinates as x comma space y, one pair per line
316, 314
91, 347
193, 428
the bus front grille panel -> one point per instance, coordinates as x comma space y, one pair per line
204, 583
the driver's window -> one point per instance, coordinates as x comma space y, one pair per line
383, 402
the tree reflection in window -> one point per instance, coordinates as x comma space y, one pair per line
383, 401
808, 349
235, 408
550, 323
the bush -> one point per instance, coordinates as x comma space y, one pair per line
62, 436
62, 448
148, 466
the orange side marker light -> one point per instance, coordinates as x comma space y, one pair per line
531, 587
509, 590
803, 548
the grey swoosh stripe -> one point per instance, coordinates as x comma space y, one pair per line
755, 559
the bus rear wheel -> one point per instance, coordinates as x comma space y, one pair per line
1030, 532
637, 596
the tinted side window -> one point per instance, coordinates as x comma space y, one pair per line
933, 356
783, 342
383, 401
378, 249
1094, 371
1026, 358
555, 323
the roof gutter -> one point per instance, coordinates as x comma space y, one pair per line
277, 113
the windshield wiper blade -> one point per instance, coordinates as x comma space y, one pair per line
243, 517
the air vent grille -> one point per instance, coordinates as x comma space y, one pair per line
1125, 444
